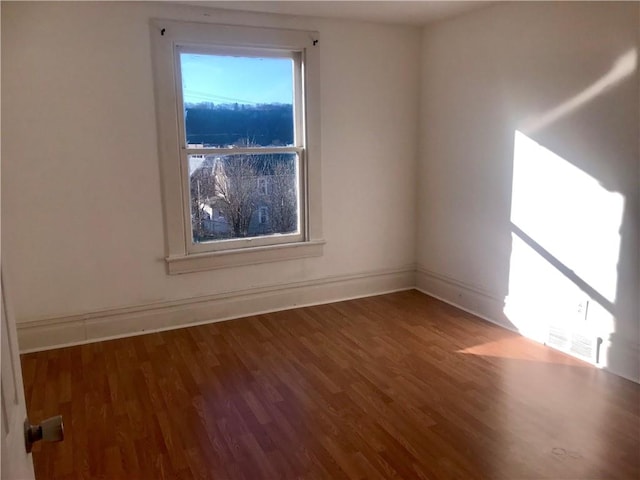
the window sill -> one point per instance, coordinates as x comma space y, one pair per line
200, 262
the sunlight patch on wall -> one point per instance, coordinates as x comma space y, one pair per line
565, 247
622, 68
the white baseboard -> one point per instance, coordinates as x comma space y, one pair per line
625, 362
466, 297
624, 358
90, 327
63, 331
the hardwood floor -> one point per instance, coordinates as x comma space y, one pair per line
394, 386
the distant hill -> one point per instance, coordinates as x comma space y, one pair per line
231, 124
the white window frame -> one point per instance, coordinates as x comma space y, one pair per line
182, 255
298, 147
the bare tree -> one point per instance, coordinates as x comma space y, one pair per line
237, 186
236, 190
283, 205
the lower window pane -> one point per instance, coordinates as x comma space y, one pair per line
242, 196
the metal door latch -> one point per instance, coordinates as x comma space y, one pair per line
50, 430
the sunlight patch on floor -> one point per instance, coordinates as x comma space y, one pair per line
511, 348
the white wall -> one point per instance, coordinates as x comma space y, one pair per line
82, 232
565, 75
81, 201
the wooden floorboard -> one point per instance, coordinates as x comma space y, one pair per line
393, 386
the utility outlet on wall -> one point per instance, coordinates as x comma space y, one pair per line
583, 309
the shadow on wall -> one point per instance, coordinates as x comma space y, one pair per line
573, 214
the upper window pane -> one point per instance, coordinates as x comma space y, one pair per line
237, 101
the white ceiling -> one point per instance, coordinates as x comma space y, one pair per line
417, 12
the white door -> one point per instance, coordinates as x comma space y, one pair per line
17, 464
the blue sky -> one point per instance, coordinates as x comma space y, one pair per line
243, 80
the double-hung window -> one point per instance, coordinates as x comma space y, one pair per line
238, 122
